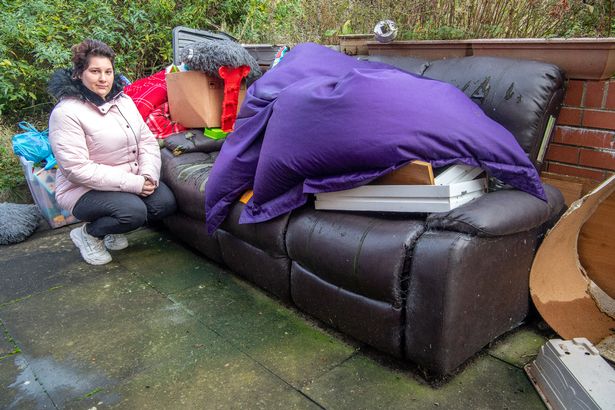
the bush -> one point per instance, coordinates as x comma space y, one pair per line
36, 35
12, 183
461, 19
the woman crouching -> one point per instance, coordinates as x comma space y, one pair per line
109, 161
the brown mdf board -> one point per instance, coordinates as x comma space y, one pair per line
572, 187
559, 285
414, 173
571, 190
597, 246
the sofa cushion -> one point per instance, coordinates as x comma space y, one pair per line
187, 175
362, 253
193, 232
271, 273
519, 94
371, 321
268, 236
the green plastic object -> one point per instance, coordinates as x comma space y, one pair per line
215, 133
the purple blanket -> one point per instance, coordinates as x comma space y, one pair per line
321, 121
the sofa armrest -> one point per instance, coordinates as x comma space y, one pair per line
192, 140
500, 213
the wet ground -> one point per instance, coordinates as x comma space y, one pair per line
161, 327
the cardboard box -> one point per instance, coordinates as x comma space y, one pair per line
195, 99
402, 198
42, 184
571, 281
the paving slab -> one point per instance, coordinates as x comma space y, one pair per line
19, 388
288, 346
7, 345
41, 263
94, 335
361, 383
214, 375
272, 334
518, 348
43, 239
162, 262
226, 380
222, 297
162, 327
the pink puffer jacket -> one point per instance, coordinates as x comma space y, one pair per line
106, 148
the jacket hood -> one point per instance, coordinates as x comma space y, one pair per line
61, 84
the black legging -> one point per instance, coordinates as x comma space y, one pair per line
118, 212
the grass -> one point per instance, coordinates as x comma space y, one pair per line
13, 187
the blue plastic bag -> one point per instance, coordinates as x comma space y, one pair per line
33, 145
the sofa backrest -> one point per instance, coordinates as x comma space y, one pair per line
521, 95
409, 64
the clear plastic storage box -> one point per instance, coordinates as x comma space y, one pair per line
42, 184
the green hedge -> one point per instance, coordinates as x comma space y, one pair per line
36, 35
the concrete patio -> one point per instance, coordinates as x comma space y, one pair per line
161, 327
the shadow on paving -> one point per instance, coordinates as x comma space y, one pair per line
162, 327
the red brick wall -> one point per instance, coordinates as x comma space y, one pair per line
584, 141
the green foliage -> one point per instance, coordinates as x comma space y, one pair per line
345, 29
461, 19
11, 175
36, 35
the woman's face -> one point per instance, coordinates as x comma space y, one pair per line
98, 76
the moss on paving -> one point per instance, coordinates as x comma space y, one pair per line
164, 264
518, 348
161, 327
8, 347
93, 392
99, 333
361, 383
270, 333
225, 380
258, 325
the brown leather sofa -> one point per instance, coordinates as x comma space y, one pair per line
430, 288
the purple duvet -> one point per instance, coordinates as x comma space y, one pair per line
322, 121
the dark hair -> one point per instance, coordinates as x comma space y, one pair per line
86, 49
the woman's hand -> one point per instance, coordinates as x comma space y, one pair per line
148, 188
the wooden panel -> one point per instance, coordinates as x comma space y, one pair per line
414, 173
571, 187
559, 288
571, 190
596, 246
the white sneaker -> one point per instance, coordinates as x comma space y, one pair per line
92, 249
116, 242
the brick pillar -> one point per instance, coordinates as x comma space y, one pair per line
584, 141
